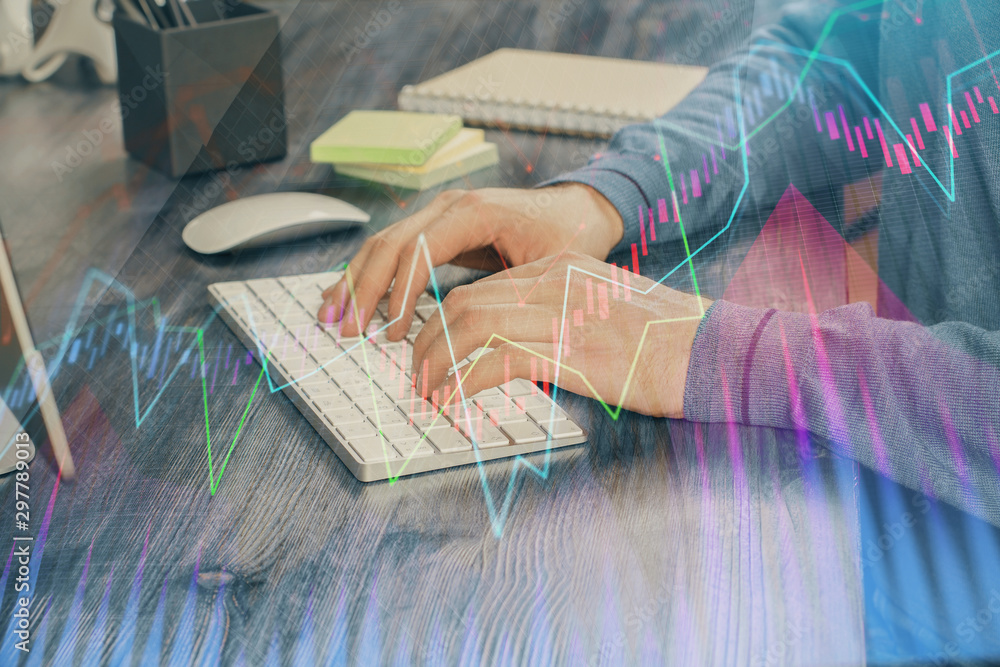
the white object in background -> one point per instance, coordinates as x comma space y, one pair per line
73, 28
10, 426
18, 41
267, 219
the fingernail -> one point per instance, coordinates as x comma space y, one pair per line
326, 312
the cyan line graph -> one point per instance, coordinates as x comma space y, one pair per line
499, 511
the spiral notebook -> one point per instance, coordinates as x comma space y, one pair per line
554, 92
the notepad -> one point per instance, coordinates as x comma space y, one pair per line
463, 142
385, 137
554, 92
436, 171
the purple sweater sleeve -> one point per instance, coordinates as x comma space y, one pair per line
919, 404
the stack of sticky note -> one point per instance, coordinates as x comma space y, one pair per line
403, 148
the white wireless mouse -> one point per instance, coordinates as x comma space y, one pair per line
268, 219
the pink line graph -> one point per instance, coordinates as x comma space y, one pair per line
925, 111
885, 146
972, 107
916, 133
695, 184
904, 164
861, 142
909, 143
831, 125
951, 142
847, 132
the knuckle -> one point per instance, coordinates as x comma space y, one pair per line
457, 299
471, 319
408, 251
448, 196
471, 197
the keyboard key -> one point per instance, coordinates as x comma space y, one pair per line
299, 373
523, 432
373, 449
231, 290
279, 301
345, 416
415, 407
448, 440
531, 402
262, 284
492, 402
367, 395
321, 355
413, 448
519, 387
483, 433
332, 403
322, 390
562, 429
351, 378
343, 341
290, 282
338, 363
430, 422
351, 432
545, 414
295, 316
311, 336
316, 377
384, 418
365, 356
506, 416
326, 279
400, 433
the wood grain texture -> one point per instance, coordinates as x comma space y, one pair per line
659, 542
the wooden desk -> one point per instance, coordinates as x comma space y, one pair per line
657, 542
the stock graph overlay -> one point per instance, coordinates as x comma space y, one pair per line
761, 427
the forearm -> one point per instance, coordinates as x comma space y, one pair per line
894, 396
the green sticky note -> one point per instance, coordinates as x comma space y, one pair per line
385, 137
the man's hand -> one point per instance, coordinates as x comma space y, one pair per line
625, 339
482, 229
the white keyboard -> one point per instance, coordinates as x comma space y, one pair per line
358, 394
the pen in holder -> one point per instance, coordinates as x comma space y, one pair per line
205, 94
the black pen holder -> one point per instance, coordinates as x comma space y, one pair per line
202, 97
